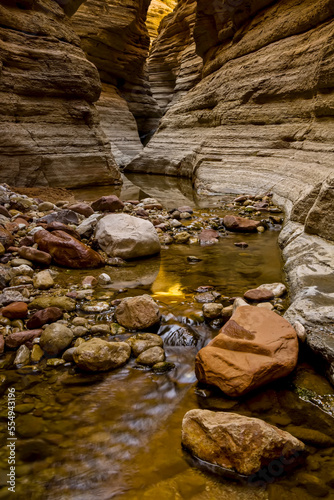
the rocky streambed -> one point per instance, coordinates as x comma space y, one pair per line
106, 304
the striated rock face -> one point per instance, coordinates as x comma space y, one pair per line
173, 65
157, 11
261, 118
50, 134
115, 38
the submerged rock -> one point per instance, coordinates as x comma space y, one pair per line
138, 313
99, 355
128, 237
240, 444
151, 356
144, 341
240, 224
254, 347
55, 338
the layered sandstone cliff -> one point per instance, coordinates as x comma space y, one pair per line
49, 128
173, 65
115, 38
157, 11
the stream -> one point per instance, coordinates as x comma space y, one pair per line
117, 435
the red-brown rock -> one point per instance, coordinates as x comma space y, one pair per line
59, 226
240, 224
89, 280
82, 208
15, 310
6, 238
254, 347
67, 251
35, 255
26, 337
259, 295
208, 236
43, 317
108, 204
2, 344
27, 241
4, 211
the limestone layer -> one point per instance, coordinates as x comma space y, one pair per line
49, 130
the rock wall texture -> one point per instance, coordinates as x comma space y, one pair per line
115, 38
49, 129
174, 67
157, 11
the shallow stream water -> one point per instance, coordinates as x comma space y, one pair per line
118, 435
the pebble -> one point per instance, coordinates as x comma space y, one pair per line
22, 356
104, 279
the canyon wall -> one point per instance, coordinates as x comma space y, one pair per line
173, 65
49, 128
157, 11
115, 38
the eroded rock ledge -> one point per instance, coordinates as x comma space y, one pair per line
50, 132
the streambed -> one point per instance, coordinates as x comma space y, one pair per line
117, 435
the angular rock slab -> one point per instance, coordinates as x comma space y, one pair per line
255, 347
241, 444
128, 237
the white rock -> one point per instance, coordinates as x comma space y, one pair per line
128, 237
278, 289
104, 279
300, 330
239, 302
43, 280
266, 305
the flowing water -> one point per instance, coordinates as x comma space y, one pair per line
117, 435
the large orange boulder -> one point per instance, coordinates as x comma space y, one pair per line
254, 347
67, 251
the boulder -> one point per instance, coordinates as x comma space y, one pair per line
45, 316
99, 355
255, 347
108, 204
67, 251
240, 224
137, 313
16, 339
55, 338
15, 310
34, 255
151, 356
241, 444
259, 295
128, 237
43, 280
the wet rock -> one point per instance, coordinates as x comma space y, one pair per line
238, 303
8, 296
96, 307
212, 310
4, 212
277, 289
207, 297
311, 436
300, 330
2, 250
182, 237
63, 216
240, 224
89, 281
43, 280
144, 341
82, 208
175, 223
235, 442
151, 356
45, 316
241, 244
266, 305
17, 339
68, 354
208, 236
79, 321
2, 344
22, 270
36, 353
185, 208
137, 313
46, 301
104, 279
99, 355
22, 356
28, 426
313, 484
176, 335
67, 251
79, 331
116, 329
163, 367
15, 310
253, 348
59, 226
128, 237
185, 215
116, 262
259, 295
6, 238
166, 239
34, 255
46, 206
100, 329
55, 338
108, 204
54, 362
193, 258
